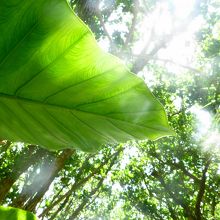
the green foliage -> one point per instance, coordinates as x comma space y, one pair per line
174, 178
58, 89
9, 213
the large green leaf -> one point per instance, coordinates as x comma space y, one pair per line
58, 89
9, 213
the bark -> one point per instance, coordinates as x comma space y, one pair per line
78, 184
60, 208
172, 212
213, 206
86, 200
54, 169
187, 210
143, 58
130, 36
22, 163
201, 192
74, 187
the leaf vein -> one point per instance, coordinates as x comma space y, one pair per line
22, 86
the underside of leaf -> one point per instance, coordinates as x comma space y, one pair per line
58, 89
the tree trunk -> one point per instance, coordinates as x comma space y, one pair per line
187, 210
79, 183
74, 187
56, 167
32, 194
60, 208
86, 200
201, 192
22, 163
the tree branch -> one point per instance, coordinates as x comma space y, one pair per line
99, 15
86, 200
78, 184
74, 187
130, 35
143, 58
177, 64
54, 169
181, 167
201, 191
178, 166
178, 201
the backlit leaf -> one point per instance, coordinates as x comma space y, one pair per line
58, 89
9, 213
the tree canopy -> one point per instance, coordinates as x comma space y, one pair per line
174, 46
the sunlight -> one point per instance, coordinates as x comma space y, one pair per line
38, 171
213, 141
181, 50
163, 20
104, 44
216, 31
129, 152
116, 187
148, 76
204, 120
182, 8
116, 24
18, 146
177, 101
218, 171
101, 142
205, 131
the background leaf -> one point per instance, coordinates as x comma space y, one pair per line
9, 213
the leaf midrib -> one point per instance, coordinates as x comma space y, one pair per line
10, 97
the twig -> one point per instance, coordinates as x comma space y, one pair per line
130, 35
143, 58
99, 15
178, 64
201, 191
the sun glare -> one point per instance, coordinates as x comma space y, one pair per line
204, 120
157, 24
181, 49
182, 8
206, 132
213, 141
